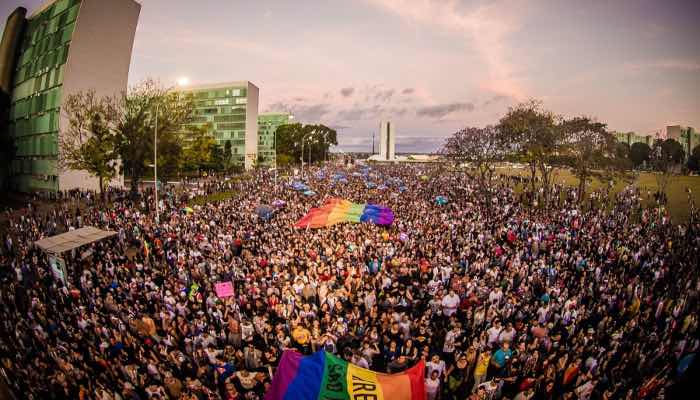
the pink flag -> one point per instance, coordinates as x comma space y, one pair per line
224, 289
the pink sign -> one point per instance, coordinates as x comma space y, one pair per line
224, 289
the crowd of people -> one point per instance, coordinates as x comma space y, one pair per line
501, 296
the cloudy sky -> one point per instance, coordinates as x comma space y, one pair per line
433, 66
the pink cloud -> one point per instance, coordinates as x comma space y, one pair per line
486, 27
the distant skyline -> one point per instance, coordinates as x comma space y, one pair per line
432, 67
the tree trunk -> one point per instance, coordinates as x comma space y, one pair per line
546, 175
102, 196
533, 171
582, 178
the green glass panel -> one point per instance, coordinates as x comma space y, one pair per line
59, 7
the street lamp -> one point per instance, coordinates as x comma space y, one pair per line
302, 152
155, 164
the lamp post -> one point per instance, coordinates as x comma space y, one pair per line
302, 153
155, 164
274, 138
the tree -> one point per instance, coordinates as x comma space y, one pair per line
694, 160
531, 134
216, 157
318, 139
228, 155
639, 153
89, 142
198, 150
169, 156
666, 158
480, 147
591, 152
137, 125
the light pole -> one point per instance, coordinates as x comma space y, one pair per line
302, 153
155, 164
274, 138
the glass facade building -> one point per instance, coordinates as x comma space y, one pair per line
267, 126
231, 111
36, 96
66, 46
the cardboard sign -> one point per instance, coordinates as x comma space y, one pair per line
224, 289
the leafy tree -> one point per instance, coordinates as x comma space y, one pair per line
137, 125
228, 155
694, 160
216, 157
666, 158
639, 153
532, 135
89, 142
169, 156
318, 139
284, 160
480, 147
591, 152
198, 149
622, 150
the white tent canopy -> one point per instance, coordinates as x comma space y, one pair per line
73, 239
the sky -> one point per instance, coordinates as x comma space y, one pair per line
432, 66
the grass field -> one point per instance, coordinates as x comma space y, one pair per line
676, 190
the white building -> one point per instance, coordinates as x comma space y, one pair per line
387, 141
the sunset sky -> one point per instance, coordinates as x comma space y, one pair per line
432, 67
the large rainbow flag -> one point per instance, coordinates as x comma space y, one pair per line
323, 376
336, 210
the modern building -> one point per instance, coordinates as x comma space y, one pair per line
64, 47
631, 138
231, 110
387, 141
687, 136
267, 126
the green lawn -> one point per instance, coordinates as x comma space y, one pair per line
677, 196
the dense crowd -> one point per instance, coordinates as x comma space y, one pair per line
502, 297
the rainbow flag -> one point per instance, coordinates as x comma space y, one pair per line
323, 376
335, 211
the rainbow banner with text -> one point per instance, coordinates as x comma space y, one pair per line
335, 211
323, 376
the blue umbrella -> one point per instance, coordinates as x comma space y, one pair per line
264, 212
441, 200
299, 186
309, 193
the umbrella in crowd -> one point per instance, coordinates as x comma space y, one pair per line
264, 212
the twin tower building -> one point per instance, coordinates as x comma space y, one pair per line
71, 46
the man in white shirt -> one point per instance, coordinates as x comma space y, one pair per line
450, 303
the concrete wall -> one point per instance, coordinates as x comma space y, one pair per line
99, 58
251, 127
